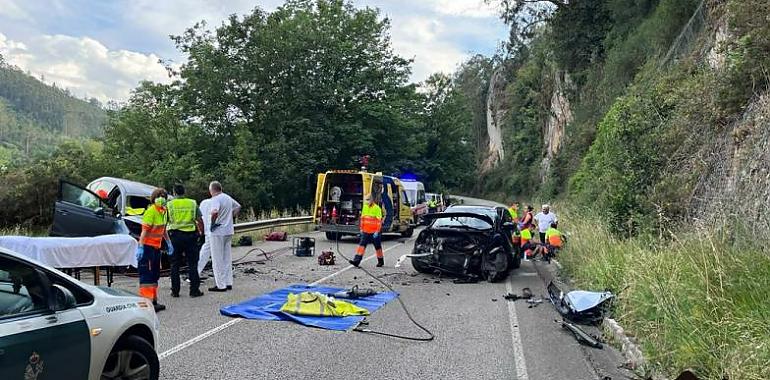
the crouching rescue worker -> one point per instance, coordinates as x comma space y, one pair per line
552, 244
150, 242
184, 227
371, 224
553, 240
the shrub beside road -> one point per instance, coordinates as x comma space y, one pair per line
698, 300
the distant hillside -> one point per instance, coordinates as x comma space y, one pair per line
34, 116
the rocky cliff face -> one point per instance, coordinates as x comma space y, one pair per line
560, 116
495, 115
737, 182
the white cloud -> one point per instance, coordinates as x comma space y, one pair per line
420, 38
437, 34
175, 16
83, 65
9, 9
465, 8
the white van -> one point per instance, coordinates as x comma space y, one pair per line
415, 191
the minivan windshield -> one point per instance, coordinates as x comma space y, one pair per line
412, 195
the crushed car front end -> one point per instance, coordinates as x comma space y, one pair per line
465, 245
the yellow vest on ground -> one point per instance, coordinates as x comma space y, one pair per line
315, 304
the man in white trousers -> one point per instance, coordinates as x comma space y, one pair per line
205, 253
223, 209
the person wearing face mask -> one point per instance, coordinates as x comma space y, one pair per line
150, 241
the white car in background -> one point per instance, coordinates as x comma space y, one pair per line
55, 327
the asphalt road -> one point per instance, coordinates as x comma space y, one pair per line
478, 333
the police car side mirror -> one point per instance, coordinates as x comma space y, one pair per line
99, 212
62, 297
509, 226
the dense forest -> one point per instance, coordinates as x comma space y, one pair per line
595, 99
35, 117
265, 102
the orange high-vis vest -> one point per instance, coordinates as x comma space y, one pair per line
154, 225
526, 236
371, 219
554, 237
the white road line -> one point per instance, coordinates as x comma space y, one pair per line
518, 350
224, 326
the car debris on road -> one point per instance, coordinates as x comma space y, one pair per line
526, 293
582, 336
580, 305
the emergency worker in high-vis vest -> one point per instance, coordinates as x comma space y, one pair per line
514, 211
150, 241
371, 224
184, 228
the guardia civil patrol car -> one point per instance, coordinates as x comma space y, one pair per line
55, 327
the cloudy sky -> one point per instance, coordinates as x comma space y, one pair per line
103, 48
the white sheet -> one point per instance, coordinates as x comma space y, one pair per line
108, 250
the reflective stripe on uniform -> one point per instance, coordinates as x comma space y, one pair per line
154, 226
371, 219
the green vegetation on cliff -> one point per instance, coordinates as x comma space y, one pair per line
669, 100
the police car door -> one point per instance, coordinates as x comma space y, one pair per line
37, 342
80, 212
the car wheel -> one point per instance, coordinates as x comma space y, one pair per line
132, 358
333, 236
408, 233
495, 265
419, 264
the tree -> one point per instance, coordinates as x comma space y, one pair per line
524, 17
270, 99
450, 151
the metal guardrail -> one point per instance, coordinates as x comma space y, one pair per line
272, 223
297, 220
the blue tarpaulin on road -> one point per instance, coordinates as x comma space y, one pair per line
268, 307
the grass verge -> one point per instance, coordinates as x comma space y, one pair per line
700, 300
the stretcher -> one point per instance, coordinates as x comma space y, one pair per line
73, 254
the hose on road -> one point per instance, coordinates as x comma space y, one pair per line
398, 298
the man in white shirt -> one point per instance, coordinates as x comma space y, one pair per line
205, 208
544, 219
223, 209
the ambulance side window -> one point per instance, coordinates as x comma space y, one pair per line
21, 290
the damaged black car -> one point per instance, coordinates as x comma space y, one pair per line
469, 242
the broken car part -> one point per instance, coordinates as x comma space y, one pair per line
581, 335
580, 305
